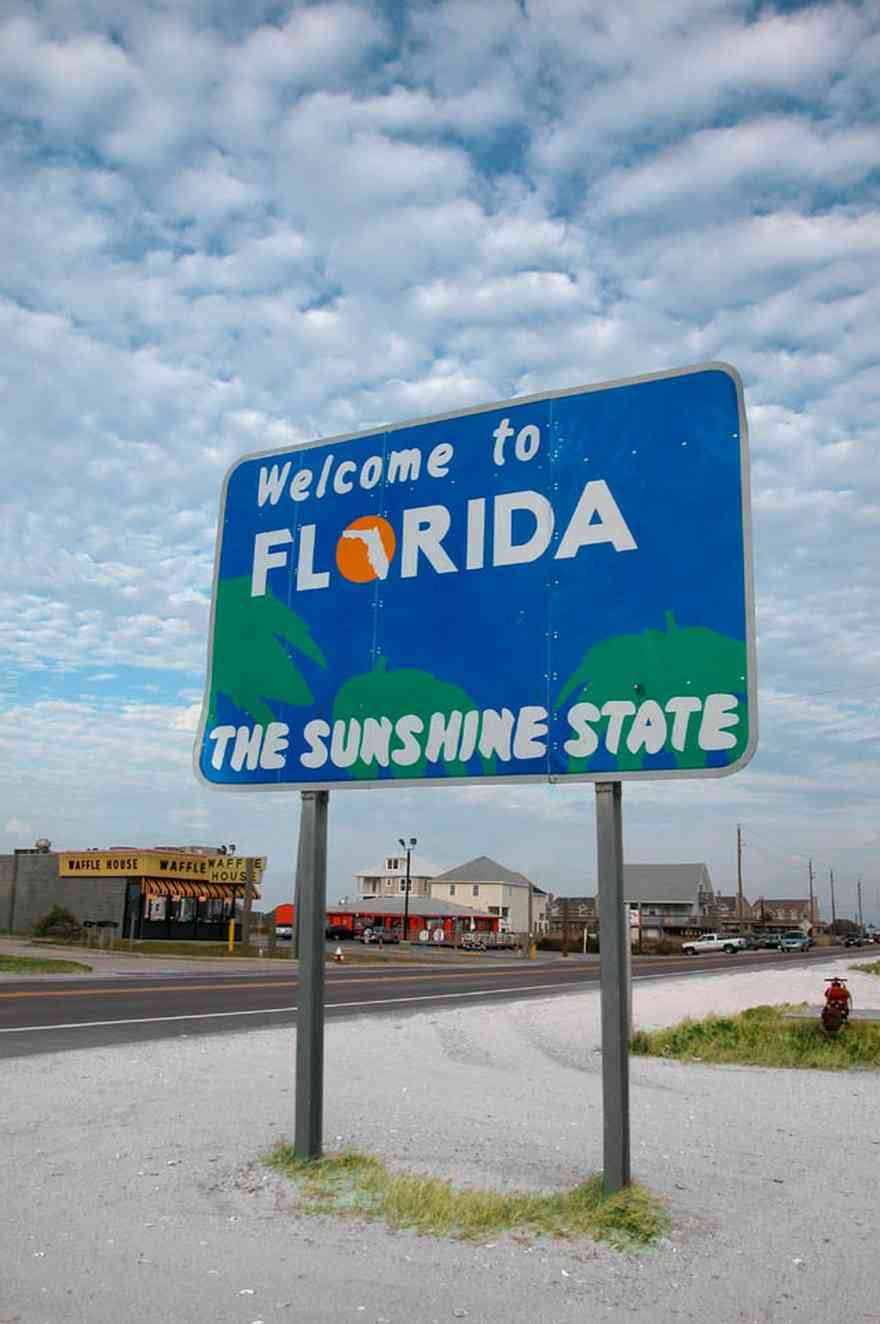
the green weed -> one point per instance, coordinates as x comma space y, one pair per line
351, 1183
33, 965
761, 1036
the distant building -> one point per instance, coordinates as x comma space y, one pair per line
158, 892
422, 913
787, 910
726, 908
579, 912
484, 884
389, 878
670, 900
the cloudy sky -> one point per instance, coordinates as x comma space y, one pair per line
232, 225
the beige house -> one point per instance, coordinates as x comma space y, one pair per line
389, 878
484, 884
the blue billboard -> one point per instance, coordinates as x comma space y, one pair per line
553, 587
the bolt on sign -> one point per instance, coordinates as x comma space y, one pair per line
551, 588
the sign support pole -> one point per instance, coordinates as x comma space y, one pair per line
613, 941
311, 920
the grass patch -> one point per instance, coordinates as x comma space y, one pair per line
762, 1037
212, 950
351, 1183
159, 947
872, 969
35, 965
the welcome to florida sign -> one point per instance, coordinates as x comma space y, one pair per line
553, 587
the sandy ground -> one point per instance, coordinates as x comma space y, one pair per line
132, 1192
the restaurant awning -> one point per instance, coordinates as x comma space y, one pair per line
177, 889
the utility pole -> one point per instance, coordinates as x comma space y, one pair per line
739, 874
812, 916
407, 884
833, 910
861, 920
564, 951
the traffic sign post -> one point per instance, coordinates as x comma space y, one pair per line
615, 987
551, 588
312, 893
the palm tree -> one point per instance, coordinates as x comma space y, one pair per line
250, 663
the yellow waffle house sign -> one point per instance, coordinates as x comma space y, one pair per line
160, 864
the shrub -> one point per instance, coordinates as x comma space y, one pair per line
661, 947
57, 923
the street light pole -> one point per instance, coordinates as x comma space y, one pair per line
409, 850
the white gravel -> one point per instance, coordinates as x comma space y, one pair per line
131, 1190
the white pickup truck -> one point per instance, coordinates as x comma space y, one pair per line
713, 942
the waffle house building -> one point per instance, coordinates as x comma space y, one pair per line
177, 892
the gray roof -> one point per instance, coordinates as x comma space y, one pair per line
665, 882
393, 905
482, 870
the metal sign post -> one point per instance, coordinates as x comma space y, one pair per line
613, 942
312, 893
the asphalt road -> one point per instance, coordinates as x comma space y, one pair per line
51, 1016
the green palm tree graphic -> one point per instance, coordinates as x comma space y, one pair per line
250, 663
661, 665
395, 694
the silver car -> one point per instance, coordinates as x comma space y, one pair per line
795, 941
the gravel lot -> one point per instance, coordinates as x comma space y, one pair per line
131, 1191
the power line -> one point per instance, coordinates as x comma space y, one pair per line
840, 689
793, 855
760, 844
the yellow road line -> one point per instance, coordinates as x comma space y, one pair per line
293, 982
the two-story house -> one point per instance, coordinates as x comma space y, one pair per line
484, 884
389, 878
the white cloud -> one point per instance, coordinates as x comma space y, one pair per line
231, 228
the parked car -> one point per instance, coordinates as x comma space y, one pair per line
772, 942
379, 934
795, 941
333, 932
853, 940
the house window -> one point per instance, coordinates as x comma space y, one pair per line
452, 889
475, 889
402, 886
505, 912
392, 864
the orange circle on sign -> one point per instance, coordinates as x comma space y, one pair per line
366, 549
